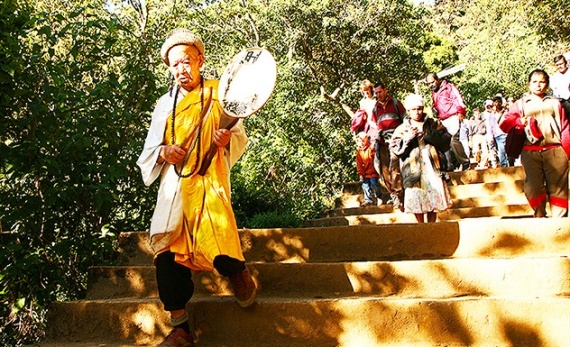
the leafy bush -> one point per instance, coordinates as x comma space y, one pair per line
274, 219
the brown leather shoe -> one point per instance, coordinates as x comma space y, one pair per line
178, 338
244, 288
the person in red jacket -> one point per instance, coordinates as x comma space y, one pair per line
366, 171
387, 115
546, 148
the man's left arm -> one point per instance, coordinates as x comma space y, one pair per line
461, 108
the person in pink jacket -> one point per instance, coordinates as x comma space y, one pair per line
546, 148
447, 106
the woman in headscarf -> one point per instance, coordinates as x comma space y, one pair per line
419, 143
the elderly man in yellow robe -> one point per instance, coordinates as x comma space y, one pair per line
193, 226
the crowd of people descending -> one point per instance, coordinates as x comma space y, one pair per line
404, 156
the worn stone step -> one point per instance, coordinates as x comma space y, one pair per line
451, 214
512, 189
479, 201
520, 277
508, 174
491, 237
358, 321
358, 210
486, 189
491, 200
514, 173
505, 211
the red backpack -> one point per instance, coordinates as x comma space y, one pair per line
358, 123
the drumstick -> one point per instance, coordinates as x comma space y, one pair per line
213, 149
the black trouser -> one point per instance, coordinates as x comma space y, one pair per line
459, 152
174, 280
566, 107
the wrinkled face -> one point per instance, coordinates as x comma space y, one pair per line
561, 66
538, 85
381, 93
185, 63
416, 113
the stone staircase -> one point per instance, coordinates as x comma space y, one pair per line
475, 193
485, 281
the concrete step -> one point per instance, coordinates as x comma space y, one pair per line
486, 189
489, 237
357, 321
514, 173
520, 277
491, 205
491, 200
512, 189
479, 201
504, 211
452, 214
462, 178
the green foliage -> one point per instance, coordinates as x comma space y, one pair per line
499, 41
77, 108
79, 81
275, 219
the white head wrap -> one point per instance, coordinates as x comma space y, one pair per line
180, 36
413, 101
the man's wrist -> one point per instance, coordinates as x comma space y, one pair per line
161, 155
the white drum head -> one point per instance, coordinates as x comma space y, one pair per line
248, 82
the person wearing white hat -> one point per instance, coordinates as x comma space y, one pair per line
419, 142
193, 227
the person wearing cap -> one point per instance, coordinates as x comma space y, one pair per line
546, 147
419, 142
447, 106
193, 227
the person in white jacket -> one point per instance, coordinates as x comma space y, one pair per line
193, 227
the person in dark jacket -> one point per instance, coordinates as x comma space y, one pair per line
419, 143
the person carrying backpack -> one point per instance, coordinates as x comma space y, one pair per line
387, 115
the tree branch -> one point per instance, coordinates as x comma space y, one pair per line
334, 99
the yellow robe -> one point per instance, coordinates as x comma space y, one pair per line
209, 226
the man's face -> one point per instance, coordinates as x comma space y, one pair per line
561, 66
363, 140
381, 93
498, 104
432, 83
185, 63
